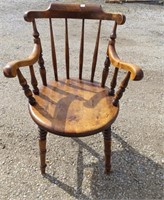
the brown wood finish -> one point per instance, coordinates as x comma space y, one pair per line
107, 149
42, 68
113, 82
95, 54
75, 11
10, 70
42, 148
25, 86
34, 81
40, 59
53, 51
81, 50
121, 90
66, 48
136, 72
105, 71
74, 107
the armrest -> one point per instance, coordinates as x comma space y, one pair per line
10, 70
136, 72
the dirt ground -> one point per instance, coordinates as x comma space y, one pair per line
75, 166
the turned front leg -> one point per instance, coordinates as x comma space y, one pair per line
42, 148
107, 149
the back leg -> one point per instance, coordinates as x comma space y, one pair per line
107, 149
42, 148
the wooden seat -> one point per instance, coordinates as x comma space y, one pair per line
74, 107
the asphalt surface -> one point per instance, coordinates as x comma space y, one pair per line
75, 166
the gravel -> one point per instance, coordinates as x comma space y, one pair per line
75, 166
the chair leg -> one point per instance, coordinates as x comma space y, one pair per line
107, 149
42, 147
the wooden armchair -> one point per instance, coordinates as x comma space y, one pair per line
74, 107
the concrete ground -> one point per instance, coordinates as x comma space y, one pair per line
75, 166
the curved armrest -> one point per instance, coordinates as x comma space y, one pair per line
136, 72
10, 70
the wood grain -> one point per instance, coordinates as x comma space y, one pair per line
53, 51
10, 70
95, 54
75, 11
136, 72
73, 108
67, 49
81, 55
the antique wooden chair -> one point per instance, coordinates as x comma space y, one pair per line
74, 107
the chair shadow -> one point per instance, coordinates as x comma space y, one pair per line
133, 176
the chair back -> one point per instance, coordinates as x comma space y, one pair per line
81, 12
